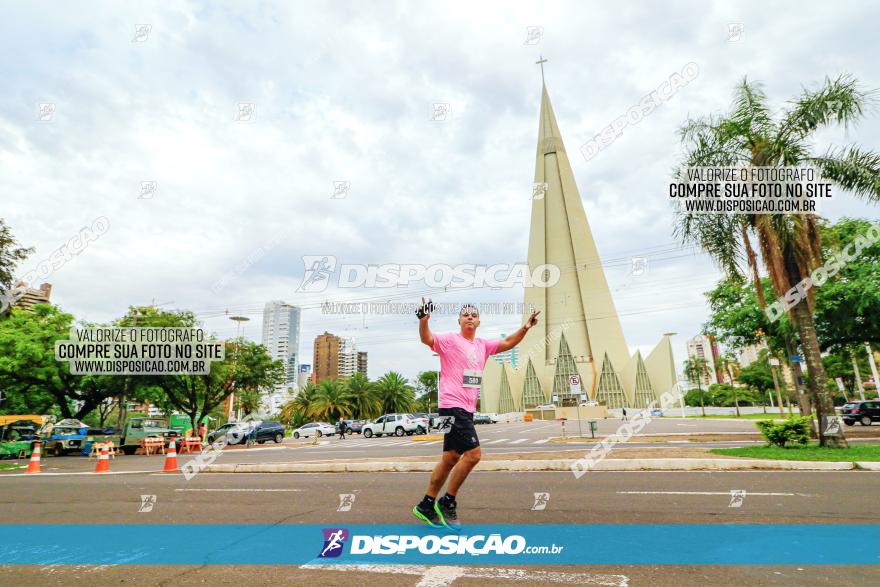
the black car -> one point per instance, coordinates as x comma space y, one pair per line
864, 412
238, 432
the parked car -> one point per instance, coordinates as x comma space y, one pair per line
656, 412
546, 407
315, 429
396, 424
864, 412
482, 418
270, 430
67, 436
235, 433
422, 420
493, 417
355, 426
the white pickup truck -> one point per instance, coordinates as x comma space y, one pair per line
396, 424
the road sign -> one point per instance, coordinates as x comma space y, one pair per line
797, 358
774, 362
574, 383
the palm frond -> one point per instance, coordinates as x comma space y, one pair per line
838, 101
852, 169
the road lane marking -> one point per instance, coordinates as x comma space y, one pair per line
712, 493
497, 441
541, 441
240, 489
519, 440
520, 575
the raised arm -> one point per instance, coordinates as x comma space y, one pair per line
515, 338
424, 314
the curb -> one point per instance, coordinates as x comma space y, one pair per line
868, 465
547, 465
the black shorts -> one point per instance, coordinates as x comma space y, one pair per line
463, 436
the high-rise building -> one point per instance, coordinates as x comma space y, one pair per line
579, 331
703, 347
326, 362
348, 357
510, 357
304, 375
362, 362
26, 298
281, 322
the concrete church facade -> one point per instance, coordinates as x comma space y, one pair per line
579, 330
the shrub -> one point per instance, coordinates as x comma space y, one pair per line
791, 430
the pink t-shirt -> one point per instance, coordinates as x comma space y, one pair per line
457, 355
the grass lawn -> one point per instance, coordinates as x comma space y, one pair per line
809, 452
8, 466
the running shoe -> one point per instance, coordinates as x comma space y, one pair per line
447, 514
427, 515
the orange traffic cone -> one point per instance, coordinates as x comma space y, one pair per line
103, 461
171, 459
34, 465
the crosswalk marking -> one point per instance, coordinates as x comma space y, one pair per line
430, 443
541, 441
519, 440
497, 441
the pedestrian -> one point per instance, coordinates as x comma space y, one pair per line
462, 359
624, 415
340, 427
203, 431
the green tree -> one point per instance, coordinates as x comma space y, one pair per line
426, 390
331, 401
29, 371
789, 244
395, 393
11, 254
246, 365
362, 393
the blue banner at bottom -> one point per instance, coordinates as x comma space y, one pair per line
575, 544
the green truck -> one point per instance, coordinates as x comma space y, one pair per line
136, 429
181, 423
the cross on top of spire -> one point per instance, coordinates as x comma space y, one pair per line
541, 62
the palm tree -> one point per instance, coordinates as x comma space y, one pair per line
362, 391
724, 364
394, 393
331, 401
295, 412
789, 243
695, 368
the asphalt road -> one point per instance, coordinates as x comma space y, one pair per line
490, 497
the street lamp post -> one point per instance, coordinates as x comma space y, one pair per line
238, 320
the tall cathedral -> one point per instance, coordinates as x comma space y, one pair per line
579, 332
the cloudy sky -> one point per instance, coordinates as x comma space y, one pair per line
131, 111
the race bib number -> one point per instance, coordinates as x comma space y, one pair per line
472, 379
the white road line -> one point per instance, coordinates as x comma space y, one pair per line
519, 575
541, 441
712, 493
241, 490
431, 442
496, 441
519, 440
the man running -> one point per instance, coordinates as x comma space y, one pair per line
462, 359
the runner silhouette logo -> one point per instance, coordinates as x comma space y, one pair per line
334, 542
